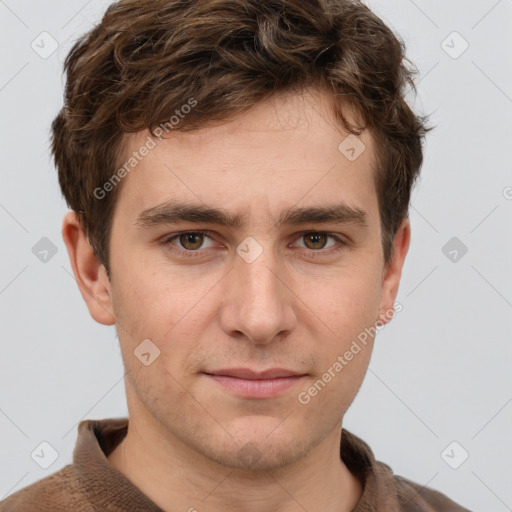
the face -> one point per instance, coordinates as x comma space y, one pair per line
268, 281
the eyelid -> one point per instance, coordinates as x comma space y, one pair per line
335, 236
342, 242
167, 239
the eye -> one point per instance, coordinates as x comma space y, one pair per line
192, 243
189, 241
316, 241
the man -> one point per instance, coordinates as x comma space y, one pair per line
239, 174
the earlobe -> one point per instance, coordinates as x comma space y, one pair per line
90, 274
393, 272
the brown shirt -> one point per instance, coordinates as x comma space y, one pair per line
92, 484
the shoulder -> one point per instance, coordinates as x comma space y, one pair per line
382, 488
411, 495
58, 492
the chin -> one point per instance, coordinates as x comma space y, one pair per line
258, 446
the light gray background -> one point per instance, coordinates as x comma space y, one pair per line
441, 371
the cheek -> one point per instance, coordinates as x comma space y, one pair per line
343, 355
166, 309
347, 302
148, 297
346, 312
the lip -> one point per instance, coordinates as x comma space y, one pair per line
248, 383
247, 373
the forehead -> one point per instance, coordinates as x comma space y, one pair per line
288, 149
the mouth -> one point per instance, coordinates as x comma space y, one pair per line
247, 383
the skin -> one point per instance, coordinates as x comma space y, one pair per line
293, 307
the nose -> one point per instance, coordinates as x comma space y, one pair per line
259, 302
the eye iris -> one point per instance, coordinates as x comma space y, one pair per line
315, 238
193, 241
187, 239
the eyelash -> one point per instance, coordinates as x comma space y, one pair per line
198, 252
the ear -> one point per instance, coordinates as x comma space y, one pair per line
90, 274
393, 272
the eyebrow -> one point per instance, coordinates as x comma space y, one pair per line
172, 212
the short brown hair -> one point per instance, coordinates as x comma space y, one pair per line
147, 58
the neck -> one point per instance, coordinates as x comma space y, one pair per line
176, 477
